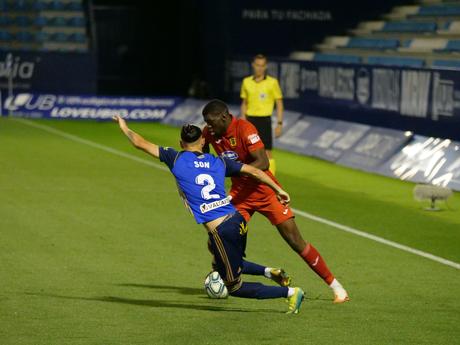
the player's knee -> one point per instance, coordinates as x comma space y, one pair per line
298, 240
234, 288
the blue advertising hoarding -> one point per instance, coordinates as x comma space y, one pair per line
375, 148
426, 160
188, 111
338, 139
289, 119
425, 101
88, 107
351, 144
300, 136
397, 154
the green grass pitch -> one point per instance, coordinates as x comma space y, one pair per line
97, 249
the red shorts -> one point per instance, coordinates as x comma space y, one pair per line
270, 207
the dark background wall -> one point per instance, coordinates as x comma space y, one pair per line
161, 47
147, 47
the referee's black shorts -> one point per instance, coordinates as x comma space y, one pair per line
264, 127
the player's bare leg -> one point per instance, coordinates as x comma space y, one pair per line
291, 234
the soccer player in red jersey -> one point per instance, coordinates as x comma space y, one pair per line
238, 139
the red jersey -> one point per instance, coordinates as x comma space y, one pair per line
240, 139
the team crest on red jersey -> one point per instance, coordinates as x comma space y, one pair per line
232, 141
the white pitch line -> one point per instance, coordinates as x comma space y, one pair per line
298, 212
90, 143
377, 238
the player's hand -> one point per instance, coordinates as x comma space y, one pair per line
283, 197
278, 131
121, 122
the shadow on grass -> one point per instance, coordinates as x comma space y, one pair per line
183, 290
318, 298
159, 303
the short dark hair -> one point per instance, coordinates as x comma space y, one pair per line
190, 133
215, 107
260, 56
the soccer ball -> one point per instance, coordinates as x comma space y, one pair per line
215, 286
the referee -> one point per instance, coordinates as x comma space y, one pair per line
259, 93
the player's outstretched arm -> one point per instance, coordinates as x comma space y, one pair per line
137, 141
259, 175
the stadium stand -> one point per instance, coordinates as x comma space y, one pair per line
372, 43
423, 35
395, 61
408, 26
38, 25
337, 58
450, 64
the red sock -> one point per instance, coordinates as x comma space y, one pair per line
316, 263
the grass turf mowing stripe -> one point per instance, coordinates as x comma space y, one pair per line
298, 212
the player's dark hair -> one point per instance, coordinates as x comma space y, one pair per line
260, 56
190, 133
215, 107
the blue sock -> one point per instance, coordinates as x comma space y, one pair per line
253, 268
260, 291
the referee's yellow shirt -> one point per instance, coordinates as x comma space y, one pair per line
260, 95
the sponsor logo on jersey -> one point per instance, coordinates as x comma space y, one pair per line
253, 138
230, 155
213, 205
232, 141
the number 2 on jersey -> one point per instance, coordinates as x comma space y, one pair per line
208, 182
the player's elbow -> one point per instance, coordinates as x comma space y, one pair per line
135, 143
261, 165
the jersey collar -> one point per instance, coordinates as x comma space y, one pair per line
196, 153
265, 78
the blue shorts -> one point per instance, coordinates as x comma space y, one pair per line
228, 243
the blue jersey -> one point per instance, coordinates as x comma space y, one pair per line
201, 181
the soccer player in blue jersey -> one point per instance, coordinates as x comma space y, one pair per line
201, 180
